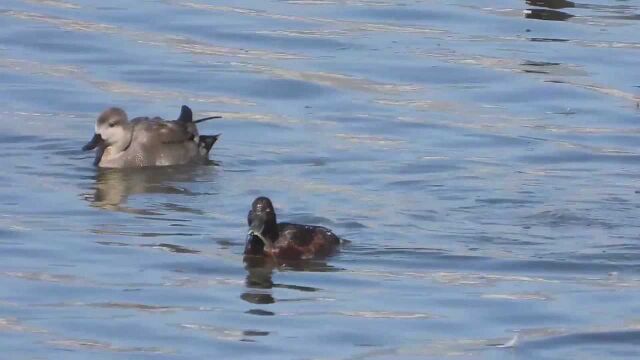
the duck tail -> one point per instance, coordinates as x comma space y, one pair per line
208, 118
186, 115
207, 141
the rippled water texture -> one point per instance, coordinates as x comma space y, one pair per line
482, 157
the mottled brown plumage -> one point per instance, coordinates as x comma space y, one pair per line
145, 141
285, 240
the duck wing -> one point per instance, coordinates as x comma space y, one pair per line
305, 241
157, 130
306, 235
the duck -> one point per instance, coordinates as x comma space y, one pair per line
144, 141
285, 241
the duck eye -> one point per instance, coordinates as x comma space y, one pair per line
112, 125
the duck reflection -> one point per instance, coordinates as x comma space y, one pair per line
114, 186
260, 276
259, 280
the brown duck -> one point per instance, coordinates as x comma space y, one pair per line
144, 141
285, 241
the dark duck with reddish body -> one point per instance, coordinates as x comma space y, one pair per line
285, 241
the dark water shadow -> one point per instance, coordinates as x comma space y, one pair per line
627, 338
551, 4
538, 67
260, 271
178, 249
547, 14
616, 11
113, 187
539, 39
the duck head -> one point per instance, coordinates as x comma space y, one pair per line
112, 130
263, 227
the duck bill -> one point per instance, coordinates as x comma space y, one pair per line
95, 141
267, 243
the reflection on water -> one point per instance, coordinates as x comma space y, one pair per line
483, 163
260, 272
114, 186
259, 278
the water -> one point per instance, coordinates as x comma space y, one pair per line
481, 157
